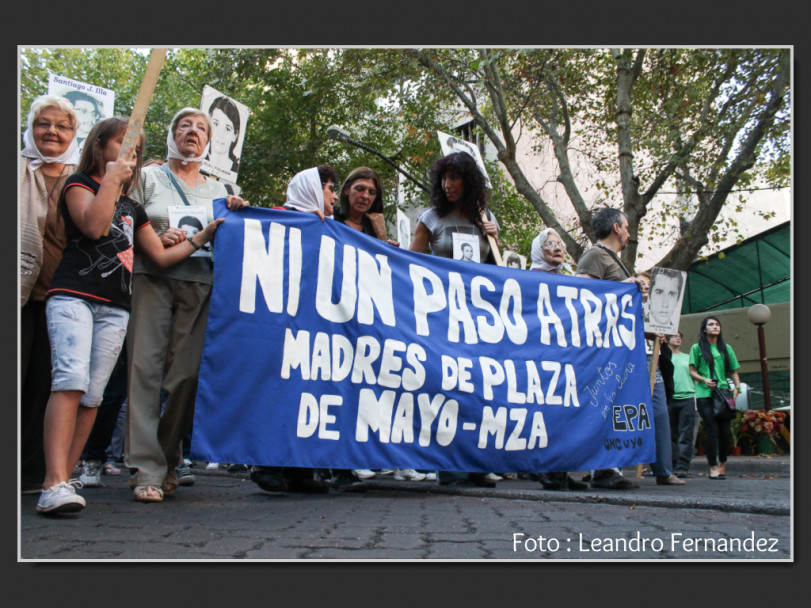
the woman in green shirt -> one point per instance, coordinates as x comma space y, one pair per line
710, 355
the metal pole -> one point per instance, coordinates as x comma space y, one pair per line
764, 371
340, 134
388, 160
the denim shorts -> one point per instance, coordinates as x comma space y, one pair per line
86, 339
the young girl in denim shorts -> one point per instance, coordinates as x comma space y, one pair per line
88, 303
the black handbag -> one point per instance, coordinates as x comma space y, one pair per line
723, 405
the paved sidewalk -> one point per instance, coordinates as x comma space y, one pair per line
224, 516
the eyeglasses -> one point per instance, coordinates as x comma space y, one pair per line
330, 186
44, 125
554, 245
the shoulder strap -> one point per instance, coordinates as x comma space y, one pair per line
616, 259
175, 184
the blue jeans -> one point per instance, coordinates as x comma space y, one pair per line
86, 339
661, 427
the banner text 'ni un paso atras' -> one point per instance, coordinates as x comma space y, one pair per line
328, 348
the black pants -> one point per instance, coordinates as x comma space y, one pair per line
682, 422
35, 383
718, 438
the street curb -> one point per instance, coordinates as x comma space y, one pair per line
625, 497
629, 498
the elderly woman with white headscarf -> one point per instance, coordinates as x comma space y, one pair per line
548, 252
311, 191
48, 157
169, 312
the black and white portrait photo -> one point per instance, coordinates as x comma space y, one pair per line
665, 295
90, 102
510, 259
465, 247
191, 219
228, 121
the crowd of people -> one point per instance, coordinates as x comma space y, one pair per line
114, 303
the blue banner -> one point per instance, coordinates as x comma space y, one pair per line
328, 348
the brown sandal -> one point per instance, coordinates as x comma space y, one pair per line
147, 494
169, 484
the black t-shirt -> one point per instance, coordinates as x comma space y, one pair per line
98, 270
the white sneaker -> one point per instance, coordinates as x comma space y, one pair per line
91, 474
408, 475
61, 498
493, 477
430, 476
364, 473
212, 466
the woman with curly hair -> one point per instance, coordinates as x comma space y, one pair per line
458, 202
712, 361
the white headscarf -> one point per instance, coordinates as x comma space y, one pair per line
68, 157
173, 152
305, 191
538, 260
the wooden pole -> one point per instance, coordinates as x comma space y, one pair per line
147, 88
492, 240
136, 122
654, 363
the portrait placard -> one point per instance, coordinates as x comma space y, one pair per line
191, 219
90, 102
466, 247
229, 119
662, 311
511, 259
